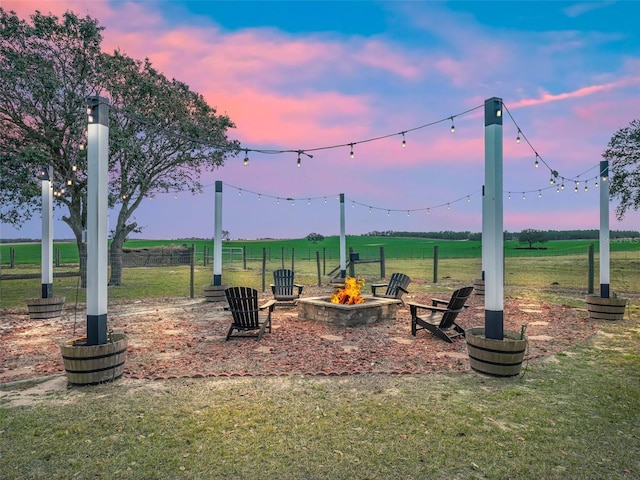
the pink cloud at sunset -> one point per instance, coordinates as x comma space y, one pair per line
301, 77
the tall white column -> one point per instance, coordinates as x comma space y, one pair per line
97, 219
217, 236
604, 230
492, 222
343, 241
46, 265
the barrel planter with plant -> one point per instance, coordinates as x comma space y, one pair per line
500, 358
92, 364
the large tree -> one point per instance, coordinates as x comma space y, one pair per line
162, 135
532, 236
623, 154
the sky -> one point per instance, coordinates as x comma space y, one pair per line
320, 76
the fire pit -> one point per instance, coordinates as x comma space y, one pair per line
372, 310
347, 308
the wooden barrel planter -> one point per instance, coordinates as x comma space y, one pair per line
605, 308
478, 287
501, 358
43, 308
215, 293
92, 364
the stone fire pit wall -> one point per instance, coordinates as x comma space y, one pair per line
373, 310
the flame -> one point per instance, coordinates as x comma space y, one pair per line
350, 294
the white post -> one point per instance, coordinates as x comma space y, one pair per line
217, 237
492, 234
97, 219
604, 230
47, 233
343, 241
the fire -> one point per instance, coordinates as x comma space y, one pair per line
350, 294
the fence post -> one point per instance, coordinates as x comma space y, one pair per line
57, 257
293, 261
12, 257
435, 264
382, 264
318, 265
192, 266
591, 270
264, 267
282, 257
244, 257
324, 260
352, 266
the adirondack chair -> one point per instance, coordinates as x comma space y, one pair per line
396, 287
247, 315
285, 291
441, 321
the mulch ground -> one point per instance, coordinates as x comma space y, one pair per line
185, 338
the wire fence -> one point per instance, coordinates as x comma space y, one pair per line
182, 271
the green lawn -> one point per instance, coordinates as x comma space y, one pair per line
572, 416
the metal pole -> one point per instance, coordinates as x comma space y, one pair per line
492, 224
97, 211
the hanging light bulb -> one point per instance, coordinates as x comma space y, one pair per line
74, 168
370, 210
586, 186
468, 198
539, 193
239, 192
448, 206
552, 180
351, 153
298, 161
509, 196
518, 137
388, 213
308, 201
404, 142
278, 201
596, 184
537, 164
523, 196
408, 214
453, 127
428, 211
246, 158
69, 182
353, 204
575, 189
259, 196
558, 189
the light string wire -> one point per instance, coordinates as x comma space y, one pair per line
246, 150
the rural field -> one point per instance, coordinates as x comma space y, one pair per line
571, 413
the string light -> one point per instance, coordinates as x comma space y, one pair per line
404, 142
586, 186
299, 161
518, 137
539, 193
537, 164
351, 153
453, 127
246, 157
523, 197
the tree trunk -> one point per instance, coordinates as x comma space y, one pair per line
115, 260
82, 255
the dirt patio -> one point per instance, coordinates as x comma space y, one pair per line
185, 338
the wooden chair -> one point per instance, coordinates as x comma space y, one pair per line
285, 290
446, 328
247, 315
396, 287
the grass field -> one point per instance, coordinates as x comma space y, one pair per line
563, 266
573, 416
302, 249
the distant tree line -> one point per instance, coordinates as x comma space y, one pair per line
548, 234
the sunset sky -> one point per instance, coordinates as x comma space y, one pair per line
303, 75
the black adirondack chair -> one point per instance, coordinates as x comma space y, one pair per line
285, 290
396, 287
441, 320
248, 317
